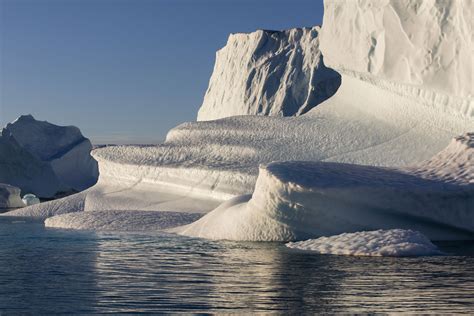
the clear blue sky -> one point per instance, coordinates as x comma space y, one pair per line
124, 70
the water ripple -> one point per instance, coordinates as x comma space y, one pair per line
55, 271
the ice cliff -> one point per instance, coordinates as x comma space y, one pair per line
428, 44
269, 73
375, 155
56, 158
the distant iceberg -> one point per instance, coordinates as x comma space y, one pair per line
45, 159
10, 197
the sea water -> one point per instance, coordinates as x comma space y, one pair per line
61, 271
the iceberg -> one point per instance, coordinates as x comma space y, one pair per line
30, 199
18, 167
389, 149
64, 148
9, 197
380, 243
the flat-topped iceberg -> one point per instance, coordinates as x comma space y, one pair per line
379, 243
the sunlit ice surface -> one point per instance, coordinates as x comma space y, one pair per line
52, 270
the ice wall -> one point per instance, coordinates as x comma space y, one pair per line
427, 43
269, 73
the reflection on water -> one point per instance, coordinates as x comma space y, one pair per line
44, 270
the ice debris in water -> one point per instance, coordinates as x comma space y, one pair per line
379, 243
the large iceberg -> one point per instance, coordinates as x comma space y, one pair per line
375, 155
269, 73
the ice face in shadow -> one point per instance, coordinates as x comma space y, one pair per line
269, 73
64, 148
18, 167
380, 243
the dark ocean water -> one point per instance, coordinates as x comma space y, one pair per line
58, 271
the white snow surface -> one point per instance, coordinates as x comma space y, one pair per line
10, 196
268, 73
64, 148
294, 200
428, 44
379, 243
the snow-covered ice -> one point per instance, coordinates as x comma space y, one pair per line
269, 73
10, 196
30, 199
428, 44
379, 243
294, 200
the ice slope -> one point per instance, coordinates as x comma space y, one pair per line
428, 44
269, 73
18, 167
296, 200
10, 196
380, 243
64, 148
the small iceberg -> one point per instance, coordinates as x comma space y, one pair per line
30, 199
378, 243
9, 196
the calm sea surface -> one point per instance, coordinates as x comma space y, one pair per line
57, 271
